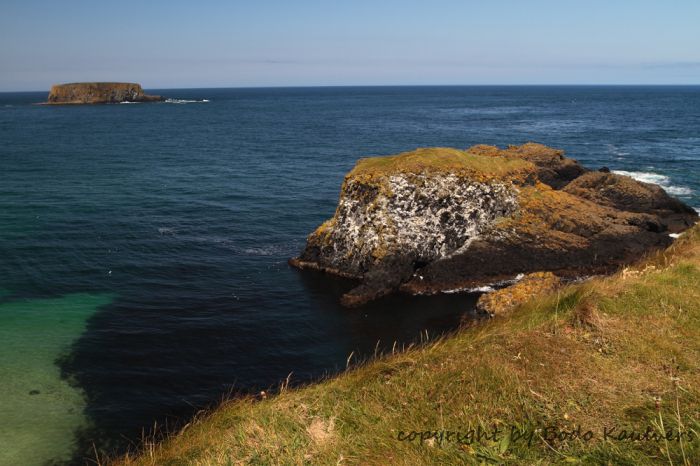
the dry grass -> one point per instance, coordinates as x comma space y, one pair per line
618, 351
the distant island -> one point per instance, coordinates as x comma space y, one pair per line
98, 93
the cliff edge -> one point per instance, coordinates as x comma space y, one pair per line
98, 93
441, 219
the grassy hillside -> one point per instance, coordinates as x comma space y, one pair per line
620, 353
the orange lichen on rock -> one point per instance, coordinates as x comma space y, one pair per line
625, 193
503, 300
553, 216
553, 168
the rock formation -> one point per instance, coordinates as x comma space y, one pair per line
98, 93
505, 299
441, 219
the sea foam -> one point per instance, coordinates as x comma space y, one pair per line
186, 101
656, 178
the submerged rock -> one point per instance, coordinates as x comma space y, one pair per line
98, 93
441, 219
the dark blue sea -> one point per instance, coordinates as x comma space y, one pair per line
143, 247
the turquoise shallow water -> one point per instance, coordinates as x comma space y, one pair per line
41, 411
143, 247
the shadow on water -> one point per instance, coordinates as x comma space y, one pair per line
399, 317
142, 364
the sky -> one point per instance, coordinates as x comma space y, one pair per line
218, 43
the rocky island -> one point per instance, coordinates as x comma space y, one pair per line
442, 219
98, 93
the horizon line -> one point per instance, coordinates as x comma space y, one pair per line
387, 86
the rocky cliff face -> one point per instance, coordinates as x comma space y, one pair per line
98, 93
440, 219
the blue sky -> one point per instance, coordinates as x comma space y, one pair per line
164, 44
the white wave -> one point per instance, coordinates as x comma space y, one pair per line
678, 190
478, 289
617, 151
646, 177
656, 178
486, 288
284, 250
481, 289
488, 110
258, 251
127, 102
186, 101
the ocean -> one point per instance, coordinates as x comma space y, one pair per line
143, 247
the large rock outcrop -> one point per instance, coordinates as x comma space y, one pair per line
440, 219
98, 93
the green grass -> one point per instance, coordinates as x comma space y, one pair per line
618, 351
441, 159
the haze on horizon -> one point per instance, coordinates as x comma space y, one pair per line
215, 43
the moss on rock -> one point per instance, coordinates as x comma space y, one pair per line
505, 299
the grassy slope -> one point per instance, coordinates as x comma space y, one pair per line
622, 350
